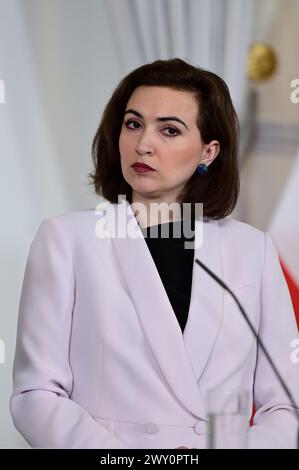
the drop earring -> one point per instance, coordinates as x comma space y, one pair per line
202, 168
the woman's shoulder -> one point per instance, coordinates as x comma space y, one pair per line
70, 219
235, 228
241, 238
70, 226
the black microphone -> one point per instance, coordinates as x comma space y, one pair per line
259, 341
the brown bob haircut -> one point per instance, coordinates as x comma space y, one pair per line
218, 189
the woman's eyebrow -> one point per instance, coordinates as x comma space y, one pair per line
164, 118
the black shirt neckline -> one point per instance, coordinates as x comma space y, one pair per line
177, 231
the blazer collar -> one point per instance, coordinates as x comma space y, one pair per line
181, 357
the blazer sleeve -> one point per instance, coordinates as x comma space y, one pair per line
275, 424
40, 405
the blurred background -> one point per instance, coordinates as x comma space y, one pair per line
59, 63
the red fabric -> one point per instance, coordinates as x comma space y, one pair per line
252, 416
294, 290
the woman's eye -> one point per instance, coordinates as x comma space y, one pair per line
130, 126
172, 131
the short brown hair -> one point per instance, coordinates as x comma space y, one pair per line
218, 189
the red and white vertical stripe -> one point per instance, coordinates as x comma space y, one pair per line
284, 230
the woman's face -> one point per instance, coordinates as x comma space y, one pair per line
160, 130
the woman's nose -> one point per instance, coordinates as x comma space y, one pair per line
144, 144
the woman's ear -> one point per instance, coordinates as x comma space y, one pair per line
210, 152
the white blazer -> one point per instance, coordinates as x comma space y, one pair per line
101, 361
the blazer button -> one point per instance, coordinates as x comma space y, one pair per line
200, 427
151, 428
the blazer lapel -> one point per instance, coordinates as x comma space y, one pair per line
180, 358
206, 303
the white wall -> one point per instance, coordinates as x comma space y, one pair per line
271, 156
59, 64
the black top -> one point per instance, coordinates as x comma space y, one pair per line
174, 262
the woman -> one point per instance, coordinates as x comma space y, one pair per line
121, 334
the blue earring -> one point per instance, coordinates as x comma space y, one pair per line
202, 168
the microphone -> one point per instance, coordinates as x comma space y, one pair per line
256, 336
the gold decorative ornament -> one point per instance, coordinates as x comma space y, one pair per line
261, 61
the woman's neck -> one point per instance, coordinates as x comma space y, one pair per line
153, 212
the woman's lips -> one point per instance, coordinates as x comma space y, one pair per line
142, 168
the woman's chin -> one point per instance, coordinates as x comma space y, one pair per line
147, 192
145, 187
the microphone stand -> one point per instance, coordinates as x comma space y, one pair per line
259, 341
